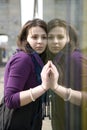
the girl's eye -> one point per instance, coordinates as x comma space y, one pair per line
60, 37
44, 37
35, 37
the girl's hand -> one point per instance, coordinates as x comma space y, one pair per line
54, 75
45, 75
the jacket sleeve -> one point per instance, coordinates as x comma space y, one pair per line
18, 71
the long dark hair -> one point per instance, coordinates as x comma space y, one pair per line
70, 30
63, 56
22, 37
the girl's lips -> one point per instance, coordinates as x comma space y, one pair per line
56, 48
39, 48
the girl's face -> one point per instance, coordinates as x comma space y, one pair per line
37, 39
57, 39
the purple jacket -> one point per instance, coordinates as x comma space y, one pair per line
70, 68
19, 75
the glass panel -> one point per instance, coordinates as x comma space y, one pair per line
70, 59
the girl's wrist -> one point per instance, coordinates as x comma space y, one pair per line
31, 95
45, 89
68, 94
37, 92
55, 88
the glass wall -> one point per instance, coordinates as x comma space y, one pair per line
67, 115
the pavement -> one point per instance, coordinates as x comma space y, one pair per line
46, 122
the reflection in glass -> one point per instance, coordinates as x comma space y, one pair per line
63, 49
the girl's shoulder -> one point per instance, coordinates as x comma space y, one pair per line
21, 56
78, 57
20, 59
76, 54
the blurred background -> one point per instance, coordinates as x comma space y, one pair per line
14, 13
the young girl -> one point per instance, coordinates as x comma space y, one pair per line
22, 82
63, 50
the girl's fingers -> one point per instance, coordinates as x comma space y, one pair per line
47, 65
46, 68
53, 67
54, 70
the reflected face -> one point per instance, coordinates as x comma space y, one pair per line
37, 39
57, 39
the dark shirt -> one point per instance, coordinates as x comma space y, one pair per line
65, 115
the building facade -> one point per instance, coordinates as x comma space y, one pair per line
10, 22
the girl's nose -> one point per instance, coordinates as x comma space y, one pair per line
39, 40
56, 40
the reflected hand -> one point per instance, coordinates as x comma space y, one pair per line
54, 75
